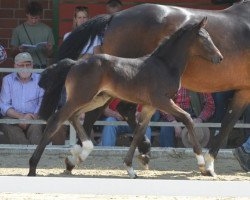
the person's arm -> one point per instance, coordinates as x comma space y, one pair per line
51, 43
15, 43
5, 97
208, 107
111, 113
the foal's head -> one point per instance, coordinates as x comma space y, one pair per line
203, 46
190, 40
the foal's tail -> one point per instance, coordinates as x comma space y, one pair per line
73, 45
52, 81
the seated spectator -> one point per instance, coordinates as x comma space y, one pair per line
242, 154
33, 32
81, 15
199, 106
20, 98
110, 133
113, 6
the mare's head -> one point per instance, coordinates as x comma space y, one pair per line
190, 40
204, 46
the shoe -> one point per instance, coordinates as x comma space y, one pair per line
243, 158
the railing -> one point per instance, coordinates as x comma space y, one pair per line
72, 135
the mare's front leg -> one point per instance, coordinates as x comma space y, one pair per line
127, 111
52, 127
143, 121
168, 106
235, 109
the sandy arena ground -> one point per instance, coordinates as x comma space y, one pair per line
169, 166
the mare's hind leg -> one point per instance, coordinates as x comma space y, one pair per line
143, 121
79, 153
168, 106
237, 106
53, 125
128, 110
92, 116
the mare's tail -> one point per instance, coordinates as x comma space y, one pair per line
73, 45
52, 81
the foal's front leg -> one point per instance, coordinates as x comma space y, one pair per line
143, 121
168, 106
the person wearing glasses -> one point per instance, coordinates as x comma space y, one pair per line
20, 98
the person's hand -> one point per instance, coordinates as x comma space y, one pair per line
49, 46
137, 116
197, 120
82, 116
177, 130
21, 48
118, 116
27, 116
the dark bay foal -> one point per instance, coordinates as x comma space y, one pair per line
152, 81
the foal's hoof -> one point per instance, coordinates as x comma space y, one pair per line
206, 172
69, 166
143, 161
202, 169
211, 173
131, 172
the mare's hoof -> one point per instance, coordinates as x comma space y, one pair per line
143, 161
69, 166
31, 174
136, 176
67, 172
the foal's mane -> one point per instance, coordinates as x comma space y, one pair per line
168, 41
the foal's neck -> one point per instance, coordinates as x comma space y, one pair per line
173, 55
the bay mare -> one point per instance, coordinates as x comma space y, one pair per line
91, 83
137, 31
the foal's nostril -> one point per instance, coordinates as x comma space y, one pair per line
221, 58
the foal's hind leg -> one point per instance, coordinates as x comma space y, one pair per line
143, 121
79, 153
168, 106
237, 106
53, 125
75, 159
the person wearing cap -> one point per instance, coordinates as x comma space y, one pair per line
33, 32
201, 108
20, 98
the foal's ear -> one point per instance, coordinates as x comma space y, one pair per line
203, 22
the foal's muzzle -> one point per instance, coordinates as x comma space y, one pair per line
217, 59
